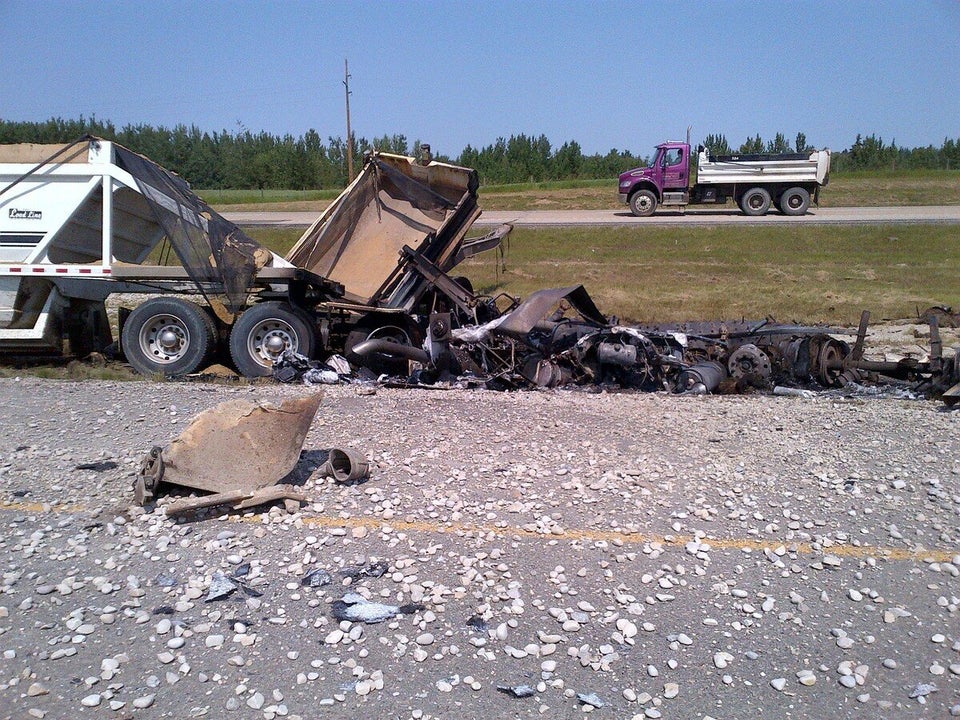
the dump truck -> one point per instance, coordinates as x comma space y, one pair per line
83, 221
756, 182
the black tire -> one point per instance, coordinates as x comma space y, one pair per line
755, 202
264, 331
643, 203
795, 201
168, 336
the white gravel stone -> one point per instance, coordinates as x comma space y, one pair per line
144, 701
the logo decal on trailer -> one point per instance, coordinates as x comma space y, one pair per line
18, 214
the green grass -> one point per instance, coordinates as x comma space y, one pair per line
280, 240
547, 185
908, 187
252, 200
805, 274
802, 274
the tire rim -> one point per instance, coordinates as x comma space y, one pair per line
269, 339
164, 339
794, 202
391, 333
643, 203
755, 201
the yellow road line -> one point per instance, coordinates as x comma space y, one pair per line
568, 534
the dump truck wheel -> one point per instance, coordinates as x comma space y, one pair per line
794, 201
643, 203
264, 332
755, 201
168, 336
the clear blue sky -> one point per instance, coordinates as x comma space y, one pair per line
623, 74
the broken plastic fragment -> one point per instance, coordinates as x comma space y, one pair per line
317, 577
517, 691
478, 623
221, 586
356, 608
590, 699
373, 570
923, 689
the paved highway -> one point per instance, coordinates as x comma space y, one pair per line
724, 216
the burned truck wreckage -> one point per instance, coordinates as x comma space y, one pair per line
368, 284
558, 337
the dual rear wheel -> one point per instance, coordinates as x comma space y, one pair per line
168, 336
173, 337
792, 201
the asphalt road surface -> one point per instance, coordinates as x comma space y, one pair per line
720, 216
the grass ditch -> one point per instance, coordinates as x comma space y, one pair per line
806, 274
803, 274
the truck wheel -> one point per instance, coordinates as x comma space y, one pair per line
794, 201
755, 201
264, 332
643, 203
168, 336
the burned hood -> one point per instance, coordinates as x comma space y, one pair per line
521, 321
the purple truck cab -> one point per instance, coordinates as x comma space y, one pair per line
665, 181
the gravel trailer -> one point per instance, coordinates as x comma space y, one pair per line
84, 221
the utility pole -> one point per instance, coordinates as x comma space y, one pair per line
346, 86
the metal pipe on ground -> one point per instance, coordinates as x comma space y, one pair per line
388, 347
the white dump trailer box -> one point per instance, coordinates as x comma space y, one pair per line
79, 222
792, 169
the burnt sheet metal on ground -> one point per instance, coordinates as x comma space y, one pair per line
235, 449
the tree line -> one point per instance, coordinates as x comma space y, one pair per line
244, 159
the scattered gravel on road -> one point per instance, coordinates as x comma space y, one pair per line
555, 553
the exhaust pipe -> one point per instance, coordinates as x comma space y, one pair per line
388, 347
